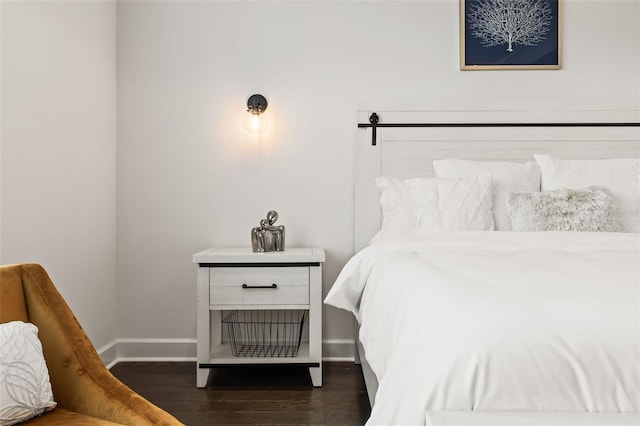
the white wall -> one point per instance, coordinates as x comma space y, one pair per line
189, 177
57, 193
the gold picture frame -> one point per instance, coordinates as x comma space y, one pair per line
510, 35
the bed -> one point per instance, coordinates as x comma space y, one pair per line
509, 327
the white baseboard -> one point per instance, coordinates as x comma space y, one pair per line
181, 350
109, 353
338, 350
148, 349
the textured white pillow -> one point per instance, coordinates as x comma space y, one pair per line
25, 390
409, 206
591, 209
508, 177
618, 176
464, 204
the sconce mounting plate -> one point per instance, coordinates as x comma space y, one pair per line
256, 104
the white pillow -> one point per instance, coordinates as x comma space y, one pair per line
409, 206
414, 206
25, 390
591, 210
618, 176
464, 204
508, 177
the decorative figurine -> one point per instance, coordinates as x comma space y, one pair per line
268, 237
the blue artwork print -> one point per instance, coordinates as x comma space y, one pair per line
511, 33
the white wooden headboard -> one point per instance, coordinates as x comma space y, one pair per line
409, 151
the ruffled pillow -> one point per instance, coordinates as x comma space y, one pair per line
419, 206
464, 204
508, 177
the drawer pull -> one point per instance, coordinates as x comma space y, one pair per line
274, 285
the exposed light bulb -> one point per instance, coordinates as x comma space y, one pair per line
255, 123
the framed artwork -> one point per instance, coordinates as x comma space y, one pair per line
510, 34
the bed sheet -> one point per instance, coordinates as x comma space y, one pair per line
495, 321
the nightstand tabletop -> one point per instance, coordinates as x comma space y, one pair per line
246, 255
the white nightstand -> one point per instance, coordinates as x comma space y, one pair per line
239, 279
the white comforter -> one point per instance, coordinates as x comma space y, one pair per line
498, 321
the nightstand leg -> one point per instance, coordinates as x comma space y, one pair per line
203, 316
202, 377
316, 376
315, 323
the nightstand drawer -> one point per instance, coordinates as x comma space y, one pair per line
255, 286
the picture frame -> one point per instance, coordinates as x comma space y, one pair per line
530, 40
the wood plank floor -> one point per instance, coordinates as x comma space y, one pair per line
251, 395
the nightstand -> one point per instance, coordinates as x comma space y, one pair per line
231, 279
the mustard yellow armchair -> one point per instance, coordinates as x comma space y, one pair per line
86, 392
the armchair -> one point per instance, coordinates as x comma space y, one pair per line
86, 392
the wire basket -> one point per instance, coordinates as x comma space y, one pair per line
265, 333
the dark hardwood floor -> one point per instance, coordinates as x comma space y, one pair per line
251, 395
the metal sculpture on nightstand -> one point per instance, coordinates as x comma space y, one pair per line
267, 236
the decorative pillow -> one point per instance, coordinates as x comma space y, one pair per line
508, 177
25, 390
464, 204
591, 209
617, 176
409, 206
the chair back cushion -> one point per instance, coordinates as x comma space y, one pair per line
13, 306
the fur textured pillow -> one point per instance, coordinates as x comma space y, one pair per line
591, 209
618, 176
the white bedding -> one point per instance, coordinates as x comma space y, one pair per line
498, 321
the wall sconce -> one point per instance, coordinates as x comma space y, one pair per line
256, 105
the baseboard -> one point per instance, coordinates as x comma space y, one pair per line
180, 350
109, 353
148, 350
338, 350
